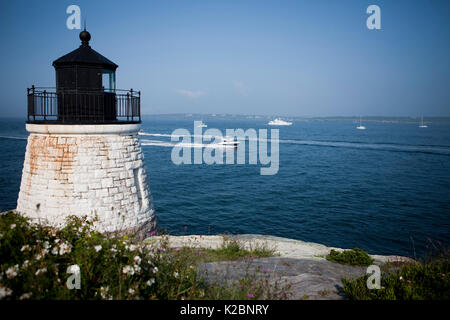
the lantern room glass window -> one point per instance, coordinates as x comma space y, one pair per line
109, 80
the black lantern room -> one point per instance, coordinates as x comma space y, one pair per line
85, 91
85, 69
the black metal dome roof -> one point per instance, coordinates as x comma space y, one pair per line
85, 55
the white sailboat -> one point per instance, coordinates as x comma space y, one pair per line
422, 125
202, 124
360, 127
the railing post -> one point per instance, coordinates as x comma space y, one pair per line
128, 106
132, 105
139, 106
28, 104
45, 105
34, 111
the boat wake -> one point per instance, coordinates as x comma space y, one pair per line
392, 147
11, 137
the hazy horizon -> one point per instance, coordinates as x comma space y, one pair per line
266, 116
292, 59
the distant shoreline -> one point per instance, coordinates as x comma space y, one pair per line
381, 119
213, 116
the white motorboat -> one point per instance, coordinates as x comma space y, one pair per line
202, 125
228, 142
279, 122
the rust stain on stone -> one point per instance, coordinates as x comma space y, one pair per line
45, 154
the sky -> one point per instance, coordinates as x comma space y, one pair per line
287, 58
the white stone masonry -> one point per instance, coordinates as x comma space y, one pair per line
87, 170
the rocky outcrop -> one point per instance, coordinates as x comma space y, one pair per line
302, 264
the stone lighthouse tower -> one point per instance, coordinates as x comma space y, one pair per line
83, 154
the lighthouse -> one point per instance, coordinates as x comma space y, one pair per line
83, 155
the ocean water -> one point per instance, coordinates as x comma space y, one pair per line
385, 189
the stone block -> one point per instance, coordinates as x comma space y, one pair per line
107, 183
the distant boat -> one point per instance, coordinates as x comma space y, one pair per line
202, 125
360, 127
279, 122
228, 142
422, 125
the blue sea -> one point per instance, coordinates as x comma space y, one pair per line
385, 189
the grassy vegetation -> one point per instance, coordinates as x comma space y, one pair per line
35, 260
428, 280
355, 257
233, 249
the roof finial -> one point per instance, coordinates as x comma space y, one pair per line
84, 23
85, 36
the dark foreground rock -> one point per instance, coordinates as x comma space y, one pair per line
310, 279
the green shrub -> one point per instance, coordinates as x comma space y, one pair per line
355, 257
233, 249
35, 259
421, 281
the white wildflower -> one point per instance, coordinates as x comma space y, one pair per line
41, 254
137, 269
401, 278
11, 272
155, 269
25, 248
150, 282
55, 250
129, 270
25, 296
176, 274
138, 259
13, 226
57, 240
64, 248
130, 247
4, 292
25, 264
39, 271
103, 292
131, 291
98, 248
73, 269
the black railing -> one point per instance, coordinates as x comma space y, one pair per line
51, 105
